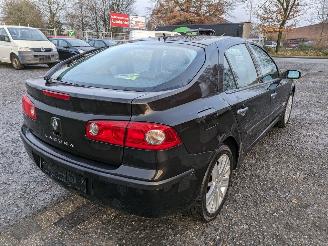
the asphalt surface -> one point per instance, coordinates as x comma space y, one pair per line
279, 195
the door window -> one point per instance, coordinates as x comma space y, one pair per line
3, 35
62, 43
242, 65
228, 79
268, 68
54, 41
99, 44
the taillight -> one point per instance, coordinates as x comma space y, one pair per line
138, 135
28, 108
112, 132
151, 136
57, 95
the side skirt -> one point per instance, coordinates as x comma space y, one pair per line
273, 123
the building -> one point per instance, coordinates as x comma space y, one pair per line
318, 34
242, 30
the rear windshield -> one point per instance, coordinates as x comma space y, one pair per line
137, 67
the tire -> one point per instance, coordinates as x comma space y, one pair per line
205, 208
15, 62
285, 117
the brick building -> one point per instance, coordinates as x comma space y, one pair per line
317, 33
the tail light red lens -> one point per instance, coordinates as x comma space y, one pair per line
138, 135
28, 108
57, 95
151, 136
112, 132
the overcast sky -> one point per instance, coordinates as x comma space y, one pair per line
240, 14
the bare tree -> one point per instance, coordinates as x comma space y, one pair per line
53, 10
21, 12
278, 14
94, 14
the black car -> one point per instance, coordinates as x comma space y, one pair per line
69, 47
102, 43
155, 126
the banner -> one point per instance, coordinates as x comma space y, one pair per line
119, 20
137, 22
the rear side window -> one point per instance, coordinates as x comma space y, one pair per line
242, 65
3, 34
228, 79
138, 67
268, 68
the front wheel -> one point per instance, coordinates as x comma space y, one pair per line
285, 117
15, 62
215, 186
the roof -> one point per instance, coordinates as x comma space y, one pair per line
197, 40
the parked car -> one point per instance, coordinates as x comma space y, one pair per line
21, 46
270, 44
69, 47
142, 34
153, 126
102, 43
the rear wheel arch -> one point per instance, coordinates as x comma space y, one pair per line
234, 147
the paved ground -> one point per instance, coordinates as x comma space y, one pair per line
279, 195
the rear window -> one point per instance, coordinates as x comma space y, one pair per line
137, 67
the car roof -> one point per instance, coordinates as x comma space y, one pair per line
13, 26
201, 41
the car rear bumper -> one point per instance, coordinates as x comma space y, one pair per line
38, 57
135, 195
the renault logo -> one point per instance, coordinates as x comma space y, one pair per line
55, 124
43, 49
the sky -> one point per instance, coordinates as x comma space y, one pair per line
239, 14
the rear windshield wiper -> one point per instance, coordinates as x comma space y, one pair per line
71, 61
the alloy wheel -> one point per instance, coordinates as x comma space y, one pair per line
218, 184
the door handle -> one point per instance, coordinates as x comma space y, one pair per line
243, 111
274, 95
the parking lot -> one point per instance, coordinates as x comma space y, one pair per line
279, 195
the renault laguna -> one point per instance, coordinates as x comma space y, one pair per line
156, 126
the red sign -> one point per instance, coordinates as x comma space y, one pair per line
119, 20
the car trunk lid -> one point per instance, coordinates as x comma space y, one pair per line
61, 123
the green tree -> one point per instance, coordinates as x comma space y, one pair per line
22, 12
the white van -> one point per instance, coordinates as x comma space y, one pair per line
139, 34
25, 45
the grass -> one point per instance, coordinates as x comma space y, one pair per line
310, 52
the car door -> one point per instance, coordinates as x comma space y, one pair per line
63, 49
249, 99
270, 77
5, 46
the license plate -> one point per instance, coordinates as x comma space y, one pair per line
45, 58
67, 177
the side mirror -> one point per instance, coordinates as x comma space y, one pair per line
293, 74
